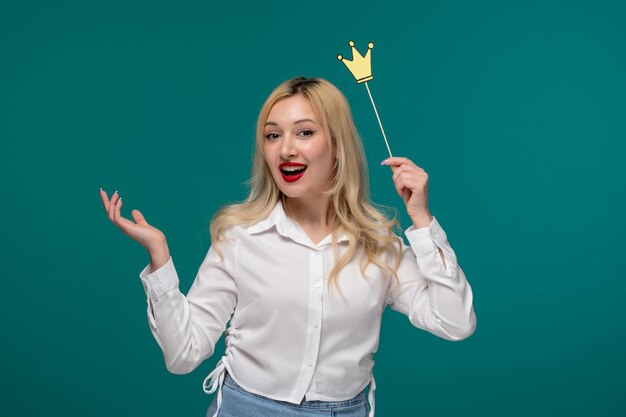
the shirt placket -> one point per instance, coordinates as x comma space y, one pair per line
314, 322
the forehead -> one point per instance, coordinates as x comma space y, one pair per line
291, 109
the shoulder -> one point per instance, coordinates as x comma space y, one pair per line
230, 235
384, 244
388, 237
224, 247
395, 248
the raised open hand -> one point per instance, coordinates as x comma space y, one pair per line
146, 235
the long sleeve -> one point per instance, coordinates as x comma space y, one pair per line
436, 298
188, 327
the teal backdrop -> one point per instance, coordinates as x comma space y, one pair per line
514, 108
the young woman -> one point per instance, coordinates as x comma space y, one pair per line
303, 270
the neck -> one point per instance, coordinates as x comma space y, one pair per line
310, 212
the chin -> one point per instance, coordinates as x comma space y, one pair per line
290, 193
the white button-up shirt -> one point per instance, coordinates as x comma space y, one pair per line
289, 337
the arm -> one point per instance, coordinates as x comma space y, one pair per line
188, 327
433, 290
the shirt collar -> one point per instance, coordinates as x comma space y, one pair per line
287, 227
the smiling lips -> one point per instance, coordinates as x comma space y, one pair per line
292, 171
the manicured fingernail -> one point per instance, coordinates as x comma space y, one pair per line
384, 162
115, 192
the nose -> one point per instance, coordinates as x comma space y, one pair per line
288, 147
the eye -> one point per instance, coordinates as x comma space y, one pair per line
307, 133
272, 135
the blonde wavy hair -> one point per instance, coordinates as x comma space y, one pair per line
350, 203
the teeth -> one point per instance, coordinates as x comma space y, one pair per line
291, 169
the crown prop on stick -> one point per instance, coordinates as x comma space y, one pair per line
361, 68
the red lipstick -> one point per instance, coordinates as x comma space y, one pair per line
292, 171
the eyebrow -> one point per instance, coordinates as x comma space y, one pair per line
295, 123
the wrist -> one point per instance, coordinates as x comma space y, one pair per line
157, 245
159, 255
421, 220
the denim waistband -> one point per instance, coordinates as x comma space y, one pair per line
360, 397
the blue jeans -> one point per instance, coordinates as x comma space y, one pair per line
237, 402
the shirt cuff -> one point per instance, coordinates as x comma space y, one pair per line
426, 239
160, 281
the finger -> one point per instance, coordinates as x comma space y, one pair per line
138, 217
122, 222
399, 184
398, 160
111, 209
105, 199
407, 170
406, 195
111, 206
410, 168
404, 170
416, 181
118, 208
396, 172
404, 163
125, 225
412, 183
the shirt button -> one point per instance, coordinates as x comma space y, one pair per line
318, 284
310, 363
315, 325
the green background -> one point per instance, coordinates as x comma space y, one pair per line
514, 108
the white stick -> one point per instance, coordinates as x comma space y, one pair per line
379, 123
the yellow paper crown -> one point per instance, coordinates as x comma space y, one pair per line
360, 66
